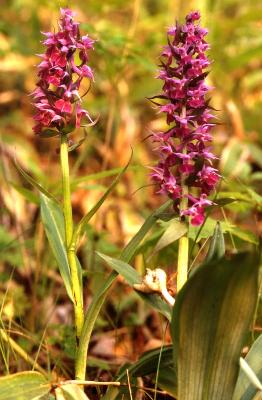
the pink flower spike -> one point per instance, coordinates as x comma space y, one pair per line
184, 148
56, 97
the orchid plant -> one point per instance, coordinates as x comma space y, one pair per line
208, 322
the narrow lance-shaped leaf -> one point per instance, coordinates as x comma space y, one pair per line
132, 278
27, 194
174, 231
210, 321
53, 221
94, 209
32, 182
101, 175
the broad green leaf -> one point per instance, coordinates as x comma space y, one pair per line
23, 386
53, 221
59, 394
32, 182
100, 296
132, 277
245, 390
210, 321
96, 207
217, 245
72, 391
174, 231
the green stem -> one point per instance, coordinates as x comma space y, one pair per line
183, 245
68, 217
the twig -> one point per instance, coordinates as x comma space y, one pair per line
115, 383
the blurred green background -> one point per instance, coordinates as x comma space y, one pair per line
129, 37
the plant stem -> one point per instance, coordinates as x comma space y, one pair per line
68, 217
183, 245
182, 263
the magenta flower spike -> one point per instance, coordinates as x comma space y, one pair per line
185, 155
61, 71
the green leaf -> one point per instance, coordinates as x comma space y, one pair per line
72, 391
149, 362
32, 182
174, 231
132, 277
131, 248
224, 201
245, 390
53, 221
94, 209
244, 235
27, 194
217, 245
47, 133
100, 296
256, 153
210, 321
207, 230
101, 175
76, 145
167, 382
23, 386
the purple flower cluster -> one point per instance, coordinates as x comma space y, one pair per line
57, 97
185, 158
